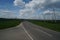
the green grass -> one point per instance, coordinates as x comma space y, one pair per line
50, 25
8, 23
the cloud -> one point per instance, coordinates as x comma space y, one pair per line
19, 3
34, 3
7, 14
54, 5
26, 13
49, 14
32, 8
29, 9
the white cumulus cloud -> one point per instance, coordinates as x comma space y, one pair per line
7, 14
31, 8
19, 3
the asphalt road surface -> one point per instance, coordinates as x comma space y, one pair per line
28, 31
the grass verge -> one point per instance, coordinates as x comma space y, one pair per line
7, 23
48, 24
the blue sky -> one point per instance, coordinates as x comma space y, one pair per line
8, 5
29, 9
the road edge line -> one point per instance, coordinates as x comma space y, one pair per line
26, 32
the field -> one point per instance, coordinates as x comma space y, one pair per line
7, 23
48, 24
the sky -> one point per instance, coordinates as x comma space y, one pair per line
30, 9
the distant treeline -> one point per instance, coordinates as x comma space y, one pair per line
3, 19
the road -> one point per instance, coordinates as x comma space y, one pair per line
28, 31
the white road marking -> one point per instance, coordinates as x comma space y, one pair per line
36, 29
26, 31
44, 32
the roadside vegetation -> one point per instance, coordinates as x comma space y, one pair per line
7, 23
48, 24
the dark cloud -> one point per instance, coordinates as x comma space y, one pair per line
53, 5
